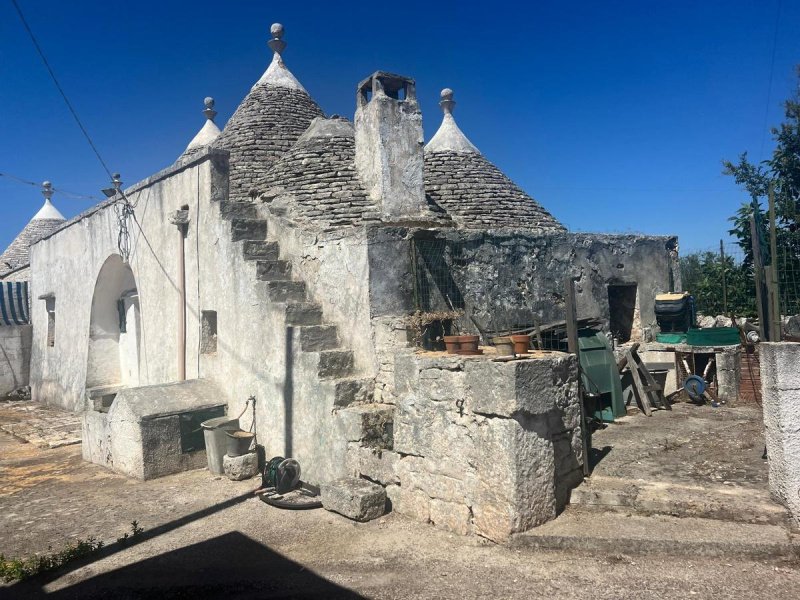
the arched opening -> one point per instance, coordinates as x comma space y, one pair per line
114, 328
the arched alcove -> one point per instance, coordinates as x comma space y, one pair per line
114, 328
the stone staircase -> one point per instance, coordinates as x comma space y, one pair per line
359, 421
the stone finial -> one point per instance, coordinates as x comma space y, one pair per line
47, 190
116, 181
209, 111
447, 103
276, 43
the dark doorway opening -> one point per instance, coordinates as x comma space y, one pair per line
622, 310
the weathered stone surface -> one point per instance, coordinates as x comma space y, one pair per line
356, 499
452, 516
373, 463
477, 195
237, 468
265, 125
525, 386
371, 424
781, 405
411, 503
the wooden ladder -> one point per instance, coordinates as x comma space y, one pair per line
648, 390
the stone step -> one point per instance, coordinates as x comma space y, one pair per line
261, 250
354, 498
334, 364
612, 533
286, 291
248, 229
314, 338
375, 464
351, 391
708, 501
371, 425
274, 270
303, 313
237, 210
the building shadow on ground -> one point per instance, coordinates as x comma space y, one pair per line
230, 566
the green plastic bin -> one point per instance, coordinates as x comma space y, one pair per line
715, 336
600, 375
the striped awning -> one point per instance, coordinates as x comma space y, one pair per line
14, 303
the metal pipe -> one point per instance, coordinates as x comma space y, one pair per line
182, 305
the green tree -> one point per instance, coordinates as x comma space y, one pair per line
781, 172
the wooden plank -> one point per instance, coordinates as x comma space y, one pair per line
644, 399
775, 325
624, 360
763, 326
652, 386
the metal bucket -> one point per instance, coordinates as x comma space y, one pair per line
239, 442
214, 432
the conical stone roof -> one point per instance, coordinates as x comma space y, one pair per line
43, 222
316, 180
207, 134
473, 191
267, 123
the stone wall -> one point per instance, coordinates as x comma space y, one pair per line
780, 383
15, 357
505, 279
483, 447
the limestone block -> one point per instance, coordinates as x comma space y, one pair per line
436, 430
779, 365
424, 475
369, 423
452, 516
356, 499
375, 464
237, 468
529, 386
411, 503
441, 384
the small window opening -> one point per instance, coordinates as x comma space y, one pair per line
208, 332
50, 307
123, 321
622, 310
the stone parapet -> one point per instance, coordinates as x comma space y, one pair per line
780, 388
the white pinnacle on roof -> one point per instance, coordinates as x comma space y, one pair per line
209, 132
277, 74
449, 137
48, 211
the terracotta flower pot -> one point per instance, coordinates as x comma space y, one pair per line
504, 346
522, 343
468, 342
451, 342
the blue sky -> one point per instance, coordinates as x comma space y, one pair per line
614, 115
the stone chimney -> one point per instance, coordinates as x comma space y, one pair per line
389, 143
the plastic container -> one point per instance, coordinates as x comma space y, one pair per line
715, 336
214, 432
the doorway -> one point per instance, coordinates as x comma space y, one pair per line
622, 310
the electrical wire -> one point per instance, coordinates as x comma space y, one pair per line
771, 76
59, 88
73, 195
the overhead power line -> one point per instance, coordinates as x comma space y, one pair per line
60, 89
74, 195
